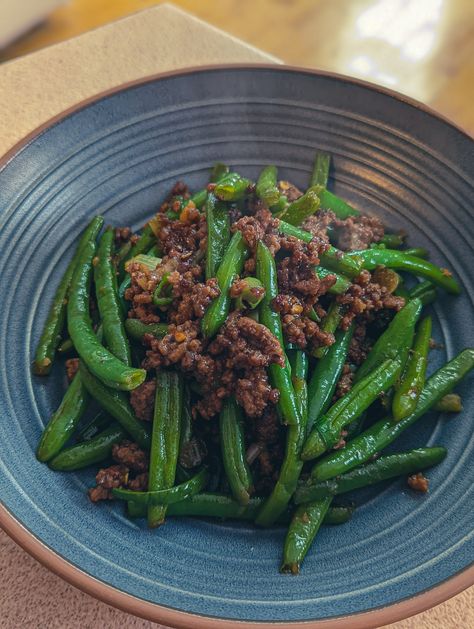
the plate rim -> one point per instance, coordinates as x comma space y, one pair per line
173, 617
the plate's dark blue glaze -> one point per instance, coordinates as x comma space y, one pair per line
119, 156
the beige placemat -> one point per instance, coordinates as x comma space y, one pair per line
38, 86
32, 90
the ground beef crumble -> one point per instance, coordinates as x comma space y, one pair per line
344, 384
129, 458
235, 362
131, 455
357, 232
72, 367
122, 235
290, 191
142, 400
365, 297
268, 433
418, 482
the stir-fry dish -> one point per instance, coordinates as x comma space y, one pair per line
249, 355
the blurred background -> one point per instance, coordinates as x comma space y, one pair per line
423, 48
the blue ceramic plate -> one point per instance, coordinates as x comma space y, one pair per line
118, 155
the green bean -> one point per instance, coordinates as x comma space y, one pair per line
339, 261
191, 450
51, 335
231, 266
136, 330
342, 284
299, 374
231, 187
392, 241
383, 432
218, 234
393, 259
123, 286
450, 403
135, 510
290, 470
116, 404
314, 316
95, 450
214, 505
339, 514
233, 451
251, 294
182, 475
168, 496
199, 198
425, 291
389, 466
301, 533
107, 299
122, 253
165, 439
98, 423
66, 346
329, 324
300, 209
64, 421
357, 426
280, 376
327, 430
285, 486
326, 376
267, 188
162, 292
411, 384
332, 259
396, 341
418, 252
341, 209
146, 240
402, 291
100, 361
218, 171
281, 205
320, 174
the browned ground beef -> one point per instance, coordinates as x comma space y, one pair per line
357, 232
130, 459
131, 455
319, 223
345, 382
235, 362
142, 399
267, 432
139, 483
290, 191
364, 297
72, 367
418, 482
122, 235
108, 479
192, 299
360, 345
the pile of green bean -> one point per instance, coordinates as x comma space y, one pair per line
315, 468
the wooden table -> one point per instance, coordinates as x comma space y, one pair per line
424, 48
